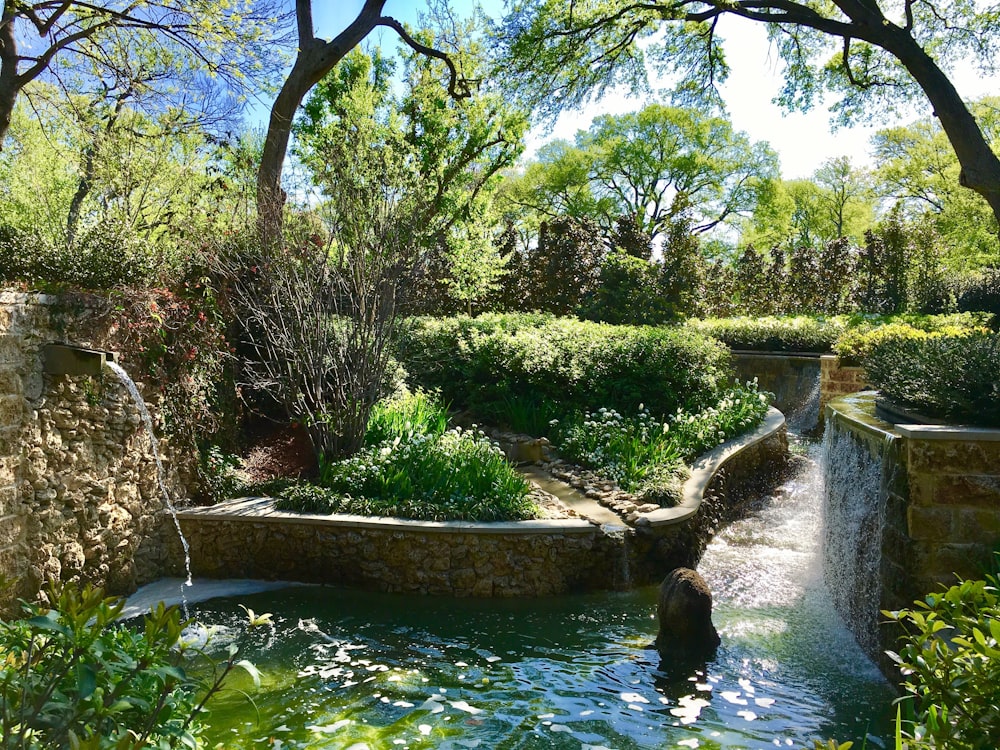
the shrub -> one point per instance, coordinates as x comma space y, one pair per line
950, 659
778, 334
951, 377
982, 293
488, 363
867, 331
72, 676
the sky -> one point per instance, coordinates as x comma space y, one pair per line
803, 140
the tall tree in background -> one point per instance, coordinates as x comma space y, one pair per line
228, 40
316, 58
874, 55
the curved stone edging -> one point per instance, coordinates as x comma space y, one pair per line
707, 467
248, 538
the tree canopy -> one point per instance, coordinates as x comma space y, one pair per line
874, 55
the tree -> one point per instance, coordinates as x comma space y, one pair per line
845, 196
876, 56
314, 59
918, 171
642, 160
223, 39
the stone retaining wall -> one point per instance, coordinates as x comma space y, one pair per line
941, 502
249, 539
78, 488
838, 380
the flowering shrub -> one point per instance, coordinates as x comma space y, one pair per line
647, 456
869, 331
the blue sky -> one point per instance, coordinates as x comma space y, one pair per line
802, 140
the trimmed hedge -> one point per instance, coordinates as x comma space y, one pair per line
800, 333
523, 370
952, 377
867, 332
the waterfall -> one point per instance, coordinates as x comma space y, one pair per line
804, 417
618, 535
160, 473
856, 489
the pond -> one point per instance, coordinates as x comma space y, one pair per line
349, 669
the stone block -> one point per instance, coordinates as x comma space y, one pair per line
930, 524
11, 411
973, 490
10, 382
11, 352
979, 525
953, 457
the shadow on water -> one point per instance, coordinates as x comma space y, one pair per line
350, 669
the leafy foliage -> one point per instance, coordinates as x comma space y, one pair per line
954, 377
646, 455
73, 676
414, 467
776, 334
484, 363
865, 332
950, 659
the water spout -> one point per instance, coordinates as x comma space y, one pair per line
160, 473
64, 359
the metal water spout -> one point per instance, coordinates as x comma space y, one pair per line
65, 359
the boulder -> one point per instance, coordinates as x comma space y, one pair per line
684, 612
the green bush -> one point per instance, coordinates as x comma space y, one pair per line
865, 332
74, 677
951, 377
950, 660
490, 363
982, 293
773, 334
103, 256
413, 467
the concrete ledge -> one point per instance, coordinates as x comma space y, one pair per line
948, 432
705, 469
261, 509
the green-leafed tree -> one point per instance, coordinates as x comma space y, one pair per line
918, 169
875, 56
232, 41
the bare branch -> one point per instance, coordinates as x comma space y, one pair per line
458, 87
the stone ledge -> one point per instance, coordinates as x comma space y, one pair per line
752, 353
948, 432
705, 469
262, 509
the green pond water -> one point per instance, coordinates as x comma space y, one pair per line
350, 669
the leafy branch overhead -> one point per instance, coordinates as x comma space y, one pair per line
874, 55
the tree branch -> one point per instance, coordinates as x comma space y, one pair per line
458, 87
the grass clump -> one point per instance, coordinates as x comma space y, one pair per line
648, 456
800, 333
412, 466
950, 377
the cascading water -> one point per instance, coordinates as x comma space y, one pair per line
856, 488
147, 421
805, 417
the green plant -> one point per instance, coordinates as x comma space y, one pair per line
953, 377
485, 363
865, 332
74, 677
647, 456
416, 412
950, 659
799, 333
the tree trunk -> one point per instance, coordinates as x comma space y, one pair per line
315, 59
9, 83
980, 167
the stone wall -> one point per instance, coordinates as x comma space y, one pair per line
78, 490
529, 558
940, 495
838, 380
794, 379
250, 539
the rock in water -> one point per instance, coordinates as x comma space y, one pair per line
684, 612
